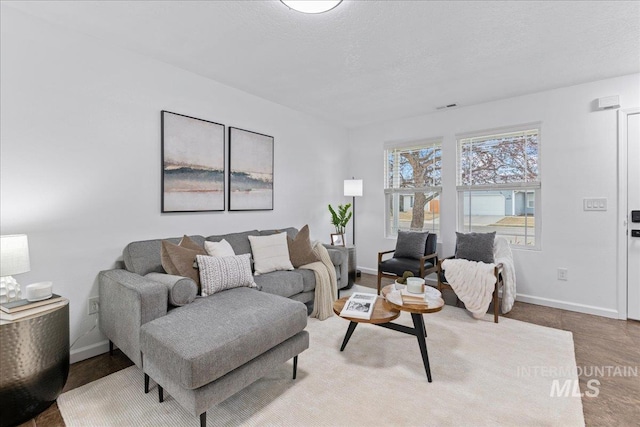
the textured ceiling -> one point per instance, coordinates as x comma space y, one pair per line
368, 61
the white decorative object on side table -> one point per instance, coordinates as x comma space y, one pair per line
14, 259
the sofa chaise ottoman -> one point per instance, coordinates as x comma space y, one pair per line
252, 332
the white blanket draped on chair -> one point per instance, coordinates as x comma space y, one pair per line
474, 282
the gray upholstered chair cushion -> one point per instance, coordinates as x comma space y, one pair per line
283, 283
238, 241
475, 246
182, 290
192, 349
398, 266
411, 244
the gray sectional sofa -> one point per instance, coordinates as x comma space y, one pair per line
204, 351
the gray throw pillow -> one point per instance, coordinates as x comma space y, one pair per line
411, 244
475, 246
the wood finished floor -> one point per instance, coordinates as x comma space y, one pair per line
598, 342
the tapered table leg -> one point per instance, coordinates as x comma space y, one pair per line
350, 329
418, 324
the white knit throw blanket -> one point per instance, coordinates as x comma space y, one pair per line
502, 255
326, 283
474, 282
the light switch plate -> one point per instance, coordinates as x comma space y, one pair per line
595, 204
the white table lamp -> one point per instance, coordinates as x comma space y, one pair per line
14, 259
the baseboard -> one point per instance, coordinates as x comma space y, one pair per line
570, 306
89, 351
368, 270
547, 302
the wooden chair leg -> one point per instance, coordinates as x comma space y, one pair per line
495, 304
379, 281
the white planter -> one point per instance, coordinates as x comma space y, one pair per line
399, 286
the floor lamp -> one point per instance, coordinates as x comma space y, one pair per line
353, 188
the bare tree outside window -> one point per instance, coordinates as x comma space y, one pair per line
413, 187
499, 159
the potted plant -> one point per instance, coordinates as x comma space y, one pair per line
341, 218
401, 282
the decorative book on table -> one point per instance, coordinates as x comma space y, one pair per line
360, 305
23, 304
34, 309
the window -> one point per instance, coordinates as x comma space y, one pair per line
499, 184
413, 184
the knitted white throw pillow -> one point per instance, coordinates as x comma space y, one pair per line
220, 273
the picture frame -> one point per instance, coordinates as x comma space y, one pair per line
250, 173
193, 164
337, 239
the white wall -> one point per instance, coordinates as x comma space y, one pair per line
578, 160
80, 156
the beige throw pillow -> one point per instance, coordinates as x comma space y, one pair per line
300, 249
221, 248
270, 253
179, 259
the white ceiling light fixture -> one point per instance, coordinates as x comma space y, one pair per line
311, 6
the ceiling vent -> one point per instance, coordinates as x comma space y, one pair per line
444, 107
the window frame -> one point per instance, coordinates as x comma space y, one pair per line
391, 194
535, 186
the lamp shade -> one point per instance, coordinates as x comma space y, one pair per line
353, 187
14, 254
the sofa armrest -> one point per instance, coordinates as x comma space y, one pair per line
128, 301
343, 276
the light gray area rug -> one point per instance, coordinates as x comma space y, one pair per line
483, 375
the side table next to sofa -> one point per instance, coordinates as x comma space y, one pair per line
34, 364
353, 262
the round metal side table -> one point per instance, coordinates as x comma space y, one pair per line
34, 364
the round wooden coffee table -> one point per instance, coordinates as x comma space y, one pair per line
385, 311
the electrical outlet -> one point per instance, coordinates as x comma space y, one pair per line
94, 305
563, 274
